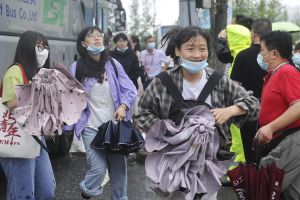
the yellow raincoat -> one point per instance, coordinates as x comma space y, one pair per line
238, 38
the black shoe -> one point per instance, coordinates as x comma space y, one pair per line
141, 156
84, 196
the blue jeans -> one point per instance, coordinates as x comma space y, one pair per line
30, 179
98, 162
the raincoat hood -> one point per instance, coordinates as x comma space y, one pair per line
238, 37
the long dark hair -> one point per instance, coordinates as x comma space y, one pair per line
178, 35
280, 41
25, 52
136, 40
86, 66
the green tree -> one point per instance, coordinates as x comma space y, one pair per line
134, 16
147, 19
270, 9
296, 20
142, 18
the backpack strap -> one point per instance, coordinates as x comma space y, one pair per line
40, 143
170, 85
209, 86
114, 66
25, 79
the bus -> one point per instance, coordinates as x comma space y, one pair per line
60, 21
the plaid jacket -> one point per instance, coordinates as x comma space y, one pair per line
156, 101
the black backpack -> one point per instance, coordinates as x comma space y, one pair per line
180, 106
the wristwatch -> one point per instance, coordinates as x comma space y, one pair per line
124, 106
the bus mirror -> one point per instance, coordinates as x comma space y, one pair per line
120, 19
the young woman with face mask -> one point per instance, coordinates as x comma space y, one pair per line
126, 56
229, 101
111, 95
27, 178
280, 109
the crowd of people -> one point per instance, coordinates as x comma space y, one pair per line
257, 96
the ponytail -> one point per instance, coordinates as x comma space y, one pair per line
171, 38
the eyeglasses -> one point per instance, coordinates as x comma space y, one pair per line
42, 47
99, 35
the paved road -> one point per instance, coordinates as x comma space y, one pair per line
70, 170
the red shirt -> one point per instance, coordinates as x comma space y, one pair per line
280, 90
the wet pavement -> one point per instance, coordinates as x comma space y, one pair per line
70, 170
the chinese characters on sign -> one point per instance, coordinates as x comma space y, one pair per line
8, 129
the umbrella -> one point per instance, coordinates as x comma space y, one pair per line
118, 137
53, 98
250, 183
285, 26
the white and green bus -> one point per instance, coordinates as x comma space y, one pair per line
60, 21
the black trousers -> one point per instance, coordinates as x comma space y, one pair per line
248, 131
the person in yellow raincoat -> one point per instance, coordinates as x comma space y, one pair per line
238, 38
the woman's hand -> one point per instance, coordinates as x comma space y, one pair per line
120, 112
264, 134
12, 104
221, 115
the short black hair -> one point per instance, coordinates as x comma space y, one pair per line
261, 26
280, 41
244, 21
148, 37
297, 46
120, 36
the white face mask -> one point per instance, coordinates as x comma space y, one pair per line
41, 56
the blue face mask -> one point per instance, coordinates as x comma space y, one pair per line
296, 58
122, 49
193, 67
260, 60
95, 50
151, 45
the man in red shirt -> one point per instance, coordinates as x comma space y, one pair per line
280, 109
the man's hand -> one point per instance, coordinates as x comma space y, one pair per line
264, 134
